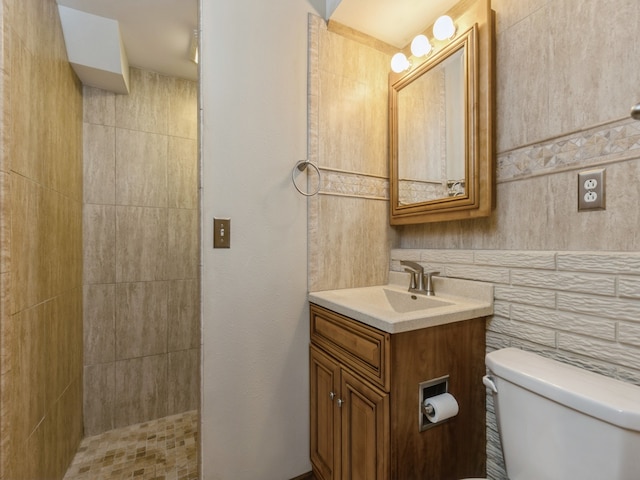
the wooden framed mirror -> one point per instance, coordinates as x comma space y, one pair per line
440, 125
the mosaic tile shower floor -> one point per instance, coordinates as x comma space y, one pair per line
163, 449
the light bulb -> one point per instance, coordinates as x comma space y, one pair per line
444, 28
399, 62
420, 46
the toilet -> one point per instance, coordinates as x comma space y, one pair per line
560, 422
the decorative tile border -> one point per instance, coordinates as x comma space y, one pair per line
351, 184
607, 143
612, 142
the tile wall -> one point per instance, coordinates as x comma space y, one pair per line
348, 242
141, 307
40, 245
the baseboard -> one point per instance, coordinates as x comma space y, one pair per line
305, 476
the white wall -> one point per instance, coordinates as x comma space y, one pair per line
255, 318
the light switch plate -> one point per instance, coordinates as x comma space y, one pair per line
221, 233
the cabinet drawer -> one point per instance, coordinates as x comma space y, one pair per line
362, 348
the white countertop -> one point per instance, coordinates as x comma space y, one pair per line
465, 299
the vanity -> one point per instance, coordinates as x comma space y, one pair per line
381, 357
374, 351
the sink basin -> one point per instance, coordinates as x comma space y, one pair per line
408, 302
393, 309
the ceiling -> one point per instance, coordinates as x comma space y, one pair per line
156, 33
395, 22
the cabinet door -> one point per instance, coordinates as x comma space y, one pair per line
365, 430
324, 379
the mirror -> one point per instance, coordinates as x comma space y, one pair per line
440, 134
432, 133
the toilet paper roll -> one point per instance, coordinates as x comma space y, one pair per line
443, 406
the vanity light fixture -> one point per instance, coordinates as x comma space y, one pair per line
420, 46
400, 63
444, 28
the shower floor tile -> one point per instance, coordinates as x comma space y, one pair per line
162, 449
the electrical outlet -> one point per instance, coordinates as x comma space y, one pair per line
590, 197
591, 190
590, 183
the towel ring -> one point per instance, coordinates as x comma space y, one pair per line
635, 112
302, 166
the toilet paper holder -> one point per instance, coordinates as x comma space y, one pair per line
427, 408
428, 389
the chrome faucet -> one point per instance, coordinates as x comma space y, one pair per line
420, 282
416, 285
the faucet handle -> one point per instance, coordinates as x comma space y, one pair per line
429, 282
412, 275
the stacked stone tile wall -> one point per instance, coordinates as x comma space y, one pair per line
577, 307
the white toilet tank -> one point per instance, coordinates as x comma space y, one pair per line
559, 422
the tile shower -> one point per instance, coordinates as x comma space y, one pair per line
141, 324
134, 282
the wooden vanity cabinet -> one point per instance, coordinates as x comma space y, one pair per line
364, 407
350, 421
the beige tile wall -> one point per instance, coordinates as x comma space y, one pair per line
40, 245
141, 327
348, 238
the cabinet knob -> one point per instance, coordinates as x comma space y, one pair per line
332, 395
340, 402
